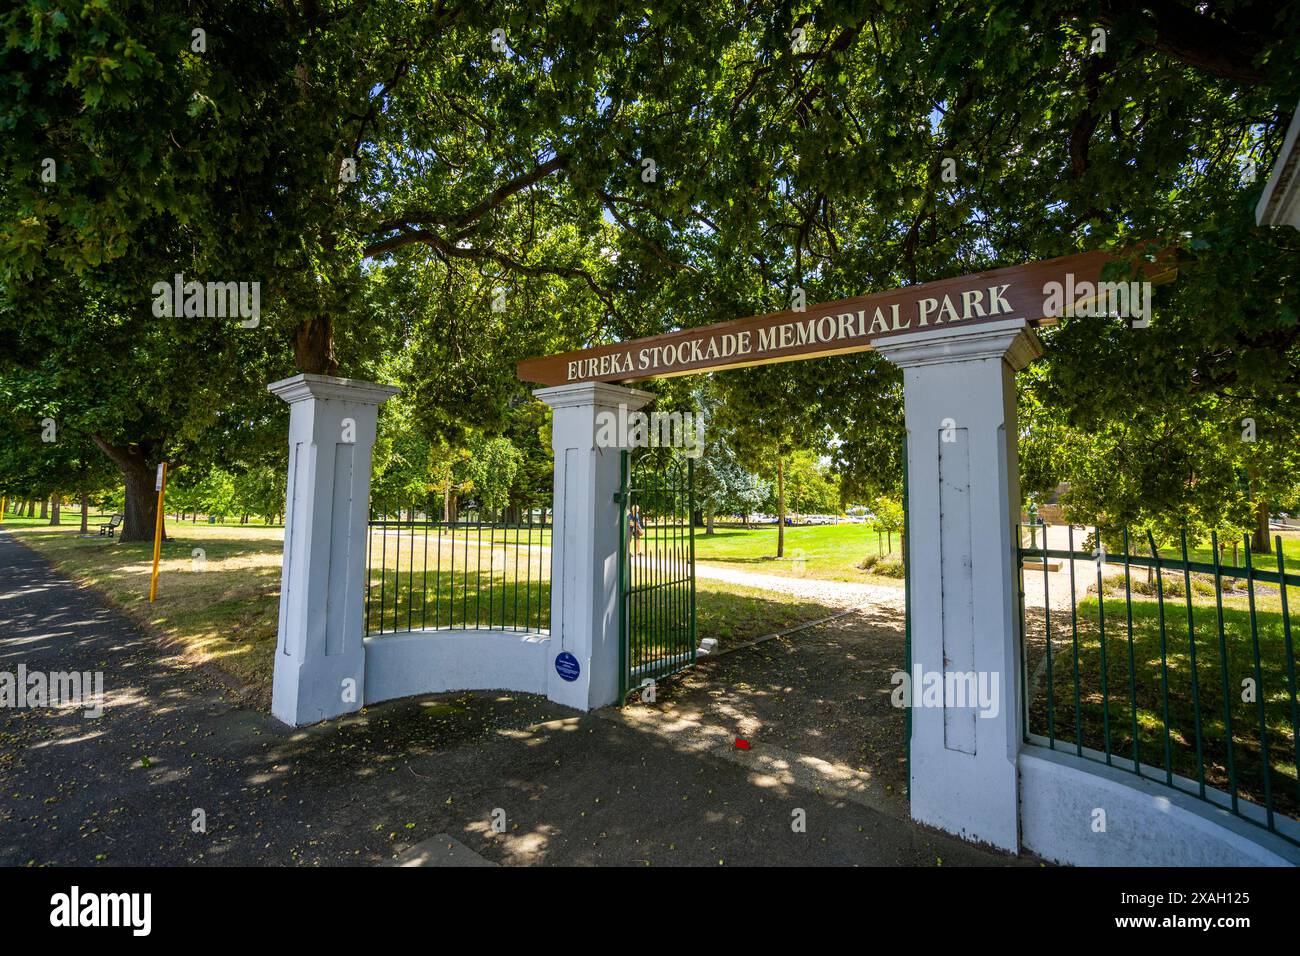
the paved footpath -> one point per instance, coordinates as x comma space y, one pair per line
124, 788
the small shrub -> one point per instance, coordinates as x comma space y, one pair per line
1172, 585
888, 565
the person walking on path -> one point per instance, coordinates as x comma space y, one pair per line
635, 527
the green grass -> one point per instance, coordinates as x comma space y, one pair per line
68, 518
735, 614
1153, 659
1263, 562
253, 522
493, 577
726, 611
222, 608
827, 552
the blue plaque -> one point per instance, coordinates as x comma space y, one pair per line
566, 665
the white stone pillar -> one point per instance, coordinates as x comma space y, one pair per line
963, 504
585, 541
319, 655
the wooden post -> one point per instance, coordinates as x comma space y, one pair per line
161, 486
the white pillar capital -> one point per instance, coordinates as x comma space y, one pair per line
306, 386
593, 394
1013, 340
1279, 204
320, 656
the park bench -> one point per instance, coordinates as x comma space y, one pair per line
108, 527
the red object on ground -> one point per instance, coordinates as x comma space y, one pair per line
742, 743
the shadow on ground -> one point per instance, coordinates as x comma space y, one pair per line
824, 691
175, 746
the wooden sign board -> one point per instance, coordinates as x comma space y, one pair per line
1039, 292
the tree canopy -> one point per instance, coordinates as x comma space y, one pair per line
428, 191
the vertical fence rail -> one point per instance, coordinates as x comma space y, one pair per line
1101, 630
1209, 701
907, 616
416, 580
1290, 663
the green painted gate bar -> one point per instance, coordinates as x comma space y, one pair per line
657, 625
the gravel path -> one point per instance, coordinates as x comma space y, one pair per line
846, 594
1058, 582
840, 594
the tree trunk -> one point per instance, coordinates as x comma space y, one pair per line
446, 504
708, 523
780, 507
55, 507
31, 509
141, 505
138, 471
1259, 541
313, 346
45, 508
85, 513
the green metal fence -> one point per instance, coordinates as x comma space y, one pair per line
657, 569
474, 574
1176, 666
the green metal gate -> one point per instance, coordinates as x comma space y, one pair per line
656, 569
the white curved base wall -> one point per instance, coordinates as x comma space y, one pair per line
1146, 824
435, 661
